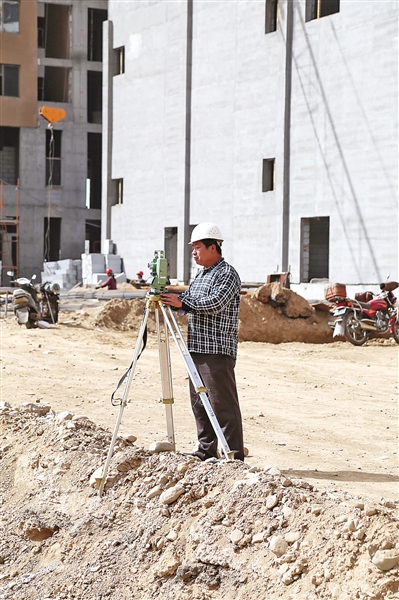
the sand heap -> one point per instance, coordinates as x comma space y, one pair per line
171, 527
271, 314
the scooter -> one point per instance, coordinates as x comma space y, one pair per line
35, 305
367, 313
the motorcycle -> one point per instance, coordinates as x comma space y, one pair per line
367, 313
35, 305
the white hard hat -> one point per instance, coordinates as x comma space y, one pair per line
205, 231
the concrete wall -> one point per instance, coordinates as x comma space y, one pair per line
343, 151
68, 201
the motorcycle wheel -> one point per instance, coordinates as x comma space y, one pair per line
353, 332
395, 332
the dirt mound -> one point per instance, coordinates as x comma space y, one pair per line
124, 315
174, 528
271, 314
277, 315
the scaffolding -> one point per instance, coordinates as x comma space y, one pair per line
9, 235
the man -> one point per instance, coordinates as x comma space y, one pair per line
212, 303
111, 281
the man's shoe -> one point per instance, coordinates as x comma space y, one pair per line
194, 454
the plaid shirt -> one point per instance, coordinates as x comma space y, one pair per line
212, 301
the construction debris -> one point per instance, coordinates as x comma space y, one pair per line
174, 528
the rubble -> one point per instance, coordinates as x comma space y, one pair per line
172, 527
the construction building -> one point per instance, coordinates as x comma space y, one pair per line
277, 120
50, 55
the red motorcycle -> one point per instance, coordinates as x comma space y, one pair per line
367, 313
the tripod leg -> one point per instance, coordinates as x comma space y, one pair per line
166, 377
102, 480
196, 379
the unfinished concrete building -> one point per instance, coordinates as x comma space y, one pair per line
277, 120
51, 55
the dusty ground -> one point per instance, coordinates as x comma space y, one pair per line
325, 415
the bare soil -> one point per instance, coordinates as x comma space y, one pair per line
311, 514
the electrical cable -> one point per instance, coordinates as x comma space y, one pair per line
118, 401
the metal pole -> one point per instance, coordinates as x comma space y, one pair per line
166, 377
102, 480
287, 135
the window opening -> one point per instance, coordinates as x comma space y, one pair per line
53, 157
96, 17
315, 244
9, 80
271, 16
40, 89
268, 174
94, 149
315, 9
9, 16
57, 30
94, 96
119, 191
57, 84
41, 28
120, 60
52, 239
170, 242
9, 154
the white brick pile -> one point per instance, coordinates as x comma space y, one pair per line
95, 265
66, 273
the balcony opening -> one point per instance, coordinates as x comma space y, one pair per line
94, 96
93, 235
52, 239
96, 17
9, 154
57, 84
94, 149
57, 27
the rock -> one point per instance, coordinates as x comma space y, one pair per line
128, 438
370, 510
271, 502
167, 565
172, 535
257, 538
236, 536
287, 512
37, 409
272, 470
278, 545
292, 536
155, 491
157, 447
172, 494
63, 416
182, 467
386, 559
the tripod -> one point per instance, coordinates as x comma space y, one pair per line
170, 324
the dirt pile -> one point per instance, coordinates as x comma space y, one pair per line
124, 315
171, 527
271, 314
277, 315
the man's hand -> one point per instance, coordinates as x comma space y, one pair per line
171, 300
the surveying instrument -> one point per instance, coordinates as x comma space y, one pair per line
159, 267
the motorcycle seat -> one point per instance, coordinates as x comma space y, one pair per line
364, 305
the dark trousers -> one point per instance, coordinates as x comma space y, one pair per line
217, 373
